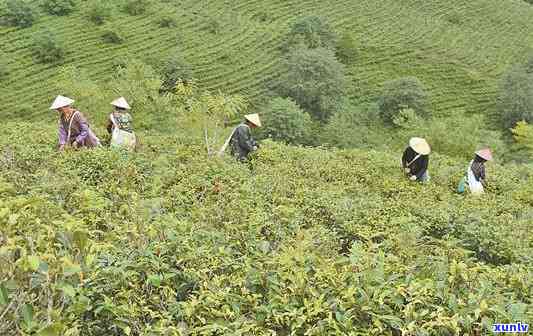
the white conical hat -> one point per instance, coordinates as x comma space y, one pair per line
254, 119
61, 101
121, 102
420, 146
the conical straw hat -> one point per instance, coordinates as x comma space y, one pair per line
254, 119
61, 101
121, 102
420, 146
485, 154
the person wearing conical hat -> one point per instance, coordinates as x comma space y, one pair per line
475, 175
120, 125
415, 160
74, 129
242, 143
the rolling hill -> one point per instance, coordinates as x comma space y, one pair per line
457, 48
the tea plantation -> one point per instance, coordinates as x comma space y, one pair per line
457, 48
300, 241
322, 237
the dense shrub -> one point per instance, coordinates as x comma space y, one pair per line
100, 11
311, 32
113, 34
315, 80
406, 92
173, 69
515, 99
19, 13
59, 7
285, 121
213, 25
347, 49
136, 7
167, 21
48, 48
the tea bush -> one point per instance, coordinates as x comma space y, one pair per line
299, 241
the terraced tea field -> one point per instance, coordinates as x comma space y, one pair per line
457, 48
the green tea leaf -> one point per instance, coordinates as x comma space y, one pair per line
34, 262
27, 315
4, 296
55, 329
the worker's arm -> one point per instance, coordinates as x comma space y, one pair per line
404, 159
62, 134
109, 126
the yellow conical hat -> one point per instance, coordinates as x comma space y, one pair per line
254, 119
420, 146
121, 102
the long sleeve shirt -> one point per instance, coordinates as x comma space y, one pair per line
79, 132
418, 167
242, 142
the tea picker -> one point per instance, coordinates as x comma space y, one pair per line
415, 160
240, 140
73, 128
475, 177
120, 125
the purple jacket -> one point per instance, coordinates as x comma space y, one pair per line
80, 132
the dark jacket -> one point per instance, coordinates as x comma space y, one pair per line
242, 142
478, 168
419, 166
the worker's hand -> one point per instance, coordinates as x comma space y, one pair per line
61, 148
75, 144
407, 170
255, 148
413, 178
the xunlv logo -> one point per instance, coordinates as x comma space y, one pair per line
510, 327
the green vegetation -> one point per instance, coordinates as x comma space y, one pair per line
307, 241
332, 240
173, 70
19, 13
113, 34
59, 7
515, 102
48, 48
136, 7
402, 93
100, 11
311, 32
285, 121
459, 63
315, 80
